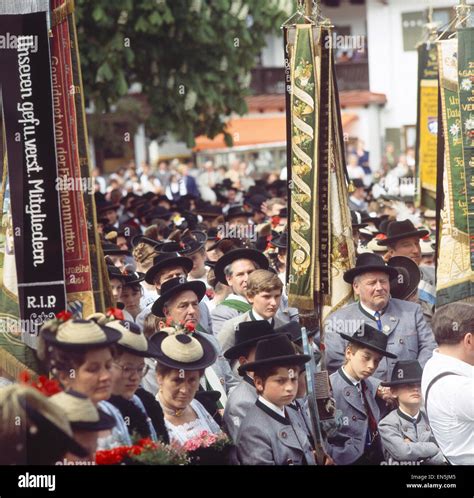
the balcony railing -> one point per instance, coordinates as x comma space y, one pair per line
350, 76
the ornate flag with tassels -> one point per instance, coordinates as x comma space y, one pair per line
88, 288
454, 273
321, 248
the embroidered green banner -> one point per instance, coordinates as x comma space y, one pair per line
304, 267
466, 105
454, 276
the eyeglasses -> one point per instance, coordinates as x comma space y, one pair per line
129, 371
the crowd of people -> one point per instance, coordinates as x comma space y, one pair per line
203, 338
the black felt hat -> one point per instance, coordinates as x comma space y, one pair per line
371, 338
405, 372
368, 262
356, 219
409, 276
252, 254
280, 241
167, 260
398, 230
114, 250
276, 351
106, 206
247, 335
175, 286
236, 211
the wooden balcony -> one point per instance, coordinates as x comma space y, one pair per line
350, 76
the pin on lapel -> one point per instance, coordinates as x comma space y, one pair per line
386, 328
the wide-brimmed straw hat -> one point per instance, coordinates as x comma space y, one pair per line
183, 351
79, 334
81, 412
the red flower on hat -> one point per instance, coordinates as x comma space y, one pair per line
116, 313
64, 316
381, 236
210, 293
275, 221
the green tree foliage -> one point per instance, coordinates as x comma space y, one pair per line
192, 57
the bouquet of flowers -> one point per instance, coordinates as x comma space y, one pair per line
172, 327
144, 452
209, 449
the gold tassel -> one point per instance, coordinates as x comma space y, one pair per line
12, 366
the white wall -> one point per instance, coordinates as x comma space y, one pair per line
393, 71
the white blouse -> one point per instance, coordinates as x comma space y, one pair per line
185, 432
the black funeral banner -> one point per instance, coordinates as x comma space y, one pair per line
25, 82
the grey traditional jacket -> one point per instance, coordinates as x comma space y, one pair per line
240, 401
266, 438
349, 444
409, 336
397, 427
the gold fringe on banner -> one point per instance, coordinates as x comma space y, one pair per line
60, 13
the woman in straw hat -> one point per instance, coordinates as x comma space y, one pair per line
181, 361
86, 420
43, 437
79, 353
143, 413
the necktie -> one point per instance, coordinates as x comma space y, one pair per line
372, 420
378, 320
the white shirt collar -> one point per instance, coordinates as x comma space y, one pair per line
258, 317
355, 382
410, 416
368, 310
236, 296
275, 408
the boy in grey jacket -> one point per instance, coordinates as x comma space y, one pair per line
272, 434
405, 432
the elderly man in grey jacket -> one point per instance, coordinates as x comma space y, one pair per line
409, 336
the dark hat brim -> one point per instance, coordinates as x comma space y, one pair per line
182, 261
368, 346
413, 272
141, 238
293, 359
416, 233
104, 423
111, 207
208, 358
116, 252
141, 278
349, 275
236, 351
236, 254
198, 287
401, 382
111, 337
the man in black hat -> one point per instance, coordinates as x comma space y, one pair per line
403, 239
233, 269
244, 396
405, 432
166, 266
402, 322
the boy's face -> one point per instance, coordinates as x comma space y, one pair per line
362, 363
280, 388
408, 394
266, 304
